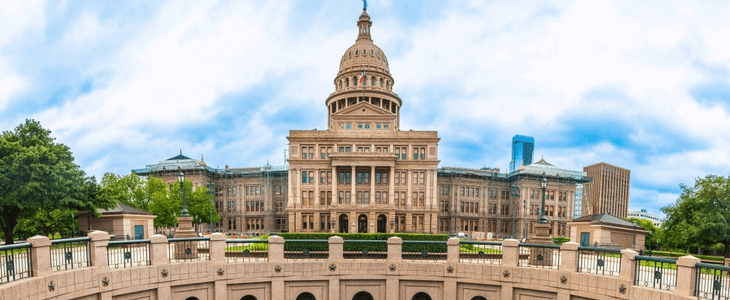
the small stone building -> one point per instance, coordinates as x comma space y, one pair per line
121, 221
606, 231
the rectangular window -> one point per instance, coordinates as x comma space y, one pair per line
329, 176
377, 178
385, 178
397, 153
348, 197
415, 153
422, 178
366, 197
348, 177
311, 176
329, 198
403, 152
367, 149
396, 198
397, 178
347, 149
341, 177
342, 149
423, 153
305, 201
341, 198
366, 178
304, 152
414, 198
415, 178
385, 198
359, 149
403, 198
421, 199
322, 177
359, 177
405, 179
359, 197
329, 152
321, 153
304, 176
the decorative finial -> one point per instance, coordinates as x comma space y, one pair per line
364, 4
180, 151
201, 157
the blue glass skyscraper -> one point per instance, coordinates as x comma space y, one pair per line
522, 148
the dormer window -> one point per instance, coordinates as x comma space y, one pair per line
357, 52
372, 52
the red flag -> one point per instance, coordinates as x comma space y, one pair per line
362, 77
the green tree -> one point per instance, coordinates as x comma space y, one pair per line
131, 189
653, 238
35, 173
700, 216
167, 203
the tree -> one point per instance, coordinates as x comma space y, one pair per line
700, 216
131, 189
167, 204
655, 232
35, 173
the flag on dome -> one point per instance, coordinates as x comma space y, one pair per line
362, 77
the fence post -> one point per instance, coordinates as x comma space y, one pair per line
569, 256
686, 275
336, 245
40, 255
510, 252
158, 250
217, 247
395, 249
452, 251
99, 240
628, 265
276, 249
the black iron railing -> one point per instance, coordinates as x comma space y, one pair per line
480, 252
188, 249
539, 256
365, 249
247, 250
15, 262
301, 250
658, 273
601, 261
128, 254
712, 281
424, 251
67, 254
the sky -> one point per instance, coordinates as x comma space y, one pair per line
641, 85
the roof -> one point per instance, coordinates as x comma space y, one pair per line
124, 209
179, 157
543, 162
606, 218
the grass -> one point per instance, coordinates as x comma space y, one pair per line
255, 247
653, 264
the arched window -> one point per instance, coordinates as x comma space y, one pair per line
354, 79
192, 298
381, 82
347, 82
306, 296
249, 297
362, 296
420, 296
478, 298
372, 81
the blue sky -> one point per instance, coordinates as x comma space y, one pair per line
644, 85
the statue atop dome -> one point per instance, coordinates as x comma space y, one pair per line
364, 4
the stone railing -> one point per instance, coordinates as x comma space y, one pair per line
567, 270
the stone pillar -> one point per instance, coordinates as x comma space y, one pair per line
628, 265
40, 256
391, 187
289, 186
569, 256
276, 249
510, 252
217, 248
686, 276
336, 245
353, 180
395, 250
335, 181
452, 255
98, 248
317, 179
158, 250
297, 188
409, 193
428, 195
372, 185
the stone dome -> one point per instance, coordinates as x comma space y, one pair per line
364, 53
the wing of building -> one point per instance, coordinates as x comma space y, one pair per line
364, 174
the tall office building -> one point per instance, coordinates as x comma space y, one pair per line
522, 148
608, 192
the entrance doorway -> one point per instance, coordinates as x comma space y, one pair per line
362, 224
138, 232
362, 296
382, 220
585, 239
344, 223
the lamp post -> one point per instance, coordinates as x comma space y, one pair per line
633, 243
181, 179
524, 226
543, 183
210, 187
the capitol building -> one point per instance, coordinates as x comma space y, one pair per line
364, 174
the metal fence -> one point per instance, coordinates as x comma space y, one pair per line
601, 261
71, 253
539, 256
306, 250
712, 281
15, 262
480, 252
365, 249
128, 254
424, 251
188, 249
658, 273
247, 250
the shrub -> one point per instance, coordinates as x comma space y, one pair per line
381, 246
559, 240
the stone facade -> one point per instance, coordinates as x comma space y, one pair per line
609, 190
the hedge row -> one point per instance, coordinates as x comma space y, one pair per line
294, 246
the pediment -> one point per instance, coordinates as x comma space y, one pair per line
364, 109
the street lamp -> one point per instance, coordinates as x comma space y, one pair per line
543, 183
181, 179
633, 243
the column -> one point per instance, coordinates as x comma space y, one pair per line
409, 193
297, 189
510, 255
372, 185
276, 249
335, 181
353, 180
217, 248
41, 255
316, 188
289, 190
158, 250
428, 194
391, 187
98, 248
686, 275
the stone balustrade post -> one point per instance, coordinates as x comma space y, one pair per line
276, 249
686, 275
452, 252
99, 240
217, 247
569, 256
158, 250
510, 252
336, 244
628, 265
395, 249
40, 255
